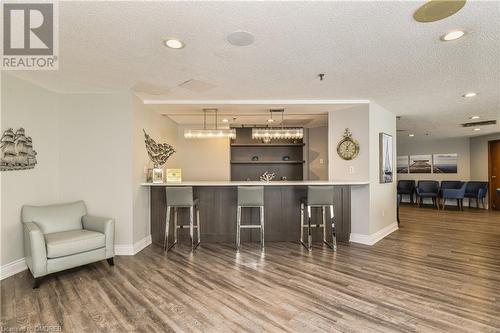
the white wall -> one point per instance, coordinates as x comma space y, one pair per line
461, 146
317, 150
84, 152
95, 156
382, 196
479, 156
357, 120
373, 206
162, 130
35, 109
204, 159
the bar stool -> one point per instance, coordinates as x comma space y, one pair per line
182, 197
250, 197
317, 197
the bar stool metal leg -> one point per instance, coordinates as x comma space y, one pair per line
238, 226
309, 235
167, 225
302, 223
175, 226
323, 220
334, 232
198, 225
262, 228
191, 227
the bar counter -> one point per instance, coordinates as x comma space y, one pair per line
282, 210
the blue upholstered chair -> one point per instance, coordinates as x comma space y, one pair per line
453, 190
406, 187
428, 189
476, 190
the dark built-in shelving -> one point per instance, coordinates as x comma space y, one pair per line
270, 157
267, 162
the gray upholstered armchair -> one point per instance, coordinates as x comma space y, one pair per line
59, 237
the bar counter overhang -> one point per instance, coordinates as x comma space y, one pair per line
282, 210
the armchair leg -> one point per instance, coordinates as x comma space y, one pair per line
110, 261
36, 282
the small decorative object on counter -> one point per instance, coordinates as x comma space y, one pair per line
286, 158
255, 158
174, 175
248, 179
284, 178
16, 151
267, 176
159, 154
157, 175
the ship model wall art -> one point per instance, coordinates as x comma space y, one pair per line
17, 151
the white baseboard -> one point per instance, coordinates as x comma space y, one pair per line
12, 268
375, 237
19, 265
132, 249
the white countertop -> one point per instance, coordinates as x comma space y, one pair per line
272, 183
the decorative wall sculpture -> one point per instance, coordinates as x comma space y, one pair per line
17, 151
267, 176
158, 152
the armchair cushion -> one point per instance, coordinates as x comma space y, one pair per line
65, 243
454, 193
56, 218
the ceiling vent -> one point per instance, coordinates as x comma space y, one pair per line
480, 123
196, 85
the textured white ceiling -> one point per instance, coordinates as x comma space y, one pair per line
368, 50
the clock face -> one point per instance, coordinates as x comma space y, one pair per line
348, 149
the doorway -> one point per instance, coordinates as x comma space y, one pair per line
494, 173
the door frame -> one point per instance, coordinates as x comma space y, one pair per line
491, 190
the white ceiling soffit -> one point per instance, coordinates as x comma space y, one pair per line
371, 50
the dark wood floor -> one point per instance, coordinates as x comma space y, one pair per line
439, 273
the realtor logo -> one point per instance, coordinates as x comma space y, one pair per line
30, 36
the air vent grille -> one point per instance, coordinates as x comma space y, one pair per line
480, 123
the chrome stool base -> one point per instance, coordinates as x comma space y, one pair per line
308, 246
249, 226
191, 227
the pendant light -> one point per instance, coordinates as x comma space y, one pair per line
206, 133
277, 133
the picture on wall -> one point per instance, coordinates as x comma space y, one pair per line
445, 163
420, 163
386, 158
403, 164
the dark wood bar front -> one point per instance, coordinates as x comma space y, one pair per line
282, 214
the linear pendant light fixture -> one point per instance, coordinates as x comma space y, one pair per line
269, 133
206, 133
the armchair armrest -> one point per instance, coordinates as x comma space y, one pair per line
481, 193
104, 225
35, 250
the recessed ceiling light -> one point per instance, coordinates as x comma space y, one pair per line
240, 38
452, 35
174, 44
225, 120
411, 135
474, 117
270, 120
469, 94
477, 129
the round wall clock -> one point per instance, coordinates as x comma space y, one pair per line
348, 148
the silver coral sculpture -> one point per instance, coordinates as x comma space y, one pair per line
158, 152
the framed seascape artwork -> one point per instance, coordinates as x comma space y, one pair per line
386, 158
420, 163
445, 163
403, 164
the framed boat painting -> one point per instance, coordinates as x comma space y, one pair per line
386, 158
